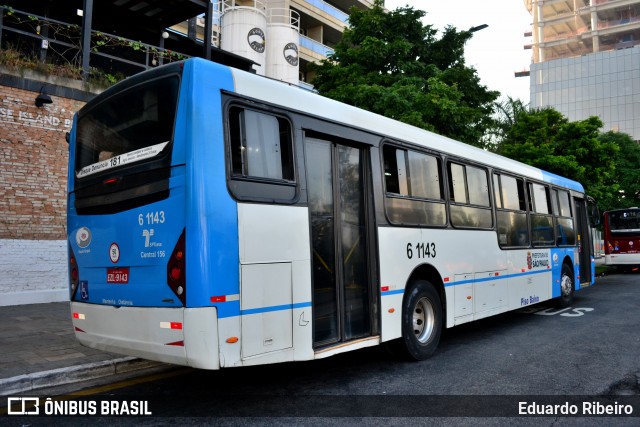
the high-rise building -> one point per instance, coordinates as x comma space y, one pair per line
586, 60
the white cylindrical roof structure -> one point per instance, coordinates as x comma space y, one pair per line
244, 30
283, 35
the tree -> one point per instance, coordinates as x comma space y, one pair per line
627, 170
392, 64
546, 139
506, 113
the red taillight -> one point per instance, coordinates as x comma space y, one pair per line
176, 273
74, 275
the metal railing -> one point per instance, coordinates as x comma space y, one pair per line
331, 10
315, 46
59, 43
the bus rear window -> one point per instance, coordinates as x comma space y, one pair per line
625, 221
129, 127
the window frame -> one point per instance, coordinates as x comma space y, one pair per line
534, 213
467, 203
522, 210
560, 216
392, 195
256, 188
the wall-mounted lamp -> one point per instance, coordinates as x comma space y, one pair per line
43, 98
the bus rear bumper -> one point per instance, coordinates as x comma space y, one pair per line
182, 336
622, 259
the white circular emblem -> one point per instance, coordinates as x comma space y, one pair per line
256, 38
83, 237
555, 257
290, 53
114, 253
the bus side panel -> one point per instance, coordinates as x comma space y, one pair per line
558, 256
211, 213
474, 284
276, 320
531, 276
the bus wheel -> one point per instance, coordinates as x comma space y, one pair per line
421, 320
566, 286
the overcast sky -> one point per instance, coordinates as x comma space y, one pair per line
497, 51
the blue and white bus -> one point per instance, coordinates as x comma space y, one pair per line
217, 218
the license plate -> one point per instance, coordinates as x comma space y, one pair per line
118, 275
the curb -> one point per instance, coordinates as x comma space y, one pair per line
73, 374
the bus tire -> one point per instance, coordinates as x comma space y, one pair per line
421, 320
567, 286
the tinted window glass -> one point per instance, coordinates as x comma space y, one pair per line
513, 229
469, 187
565, 233
542, 231
261, 145
512, 193
425, 176
496, 190
565, 205
554, 202
129, 127
456, 183
540, 196
478, 186
414, 187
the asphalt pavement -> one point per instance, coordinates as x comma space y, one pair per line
38, 349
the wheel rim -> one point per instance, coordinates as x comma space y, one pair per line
566, 285
423, 320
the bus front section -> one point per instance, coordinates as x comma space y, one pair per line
126, 225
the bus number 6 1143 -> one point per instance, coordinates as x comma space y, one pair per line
421, 250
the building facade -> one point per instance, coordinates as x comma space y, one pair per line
586, 60
318, 26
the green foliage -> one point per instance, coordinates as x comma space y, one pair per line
506, 113
12, 58
547, 140
626, 177
393, 65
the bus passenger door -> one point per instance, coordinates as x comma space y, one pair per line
337, 182
585, 246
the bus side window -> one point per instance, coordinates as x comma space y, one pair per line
542, 232
413, 187
261, 145
565, 232
513, 227
470, 205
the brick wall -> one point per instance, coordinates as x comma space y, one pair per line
34, 155
33, 184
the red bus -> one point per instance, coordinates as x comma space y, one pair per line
622, 238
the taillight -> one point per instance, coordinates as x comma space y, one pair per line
74, 275
176, 270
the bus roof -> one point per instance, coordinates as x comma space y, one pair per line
295, 98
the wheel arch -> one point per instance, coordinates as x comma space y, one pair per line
430, 273
568, 261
